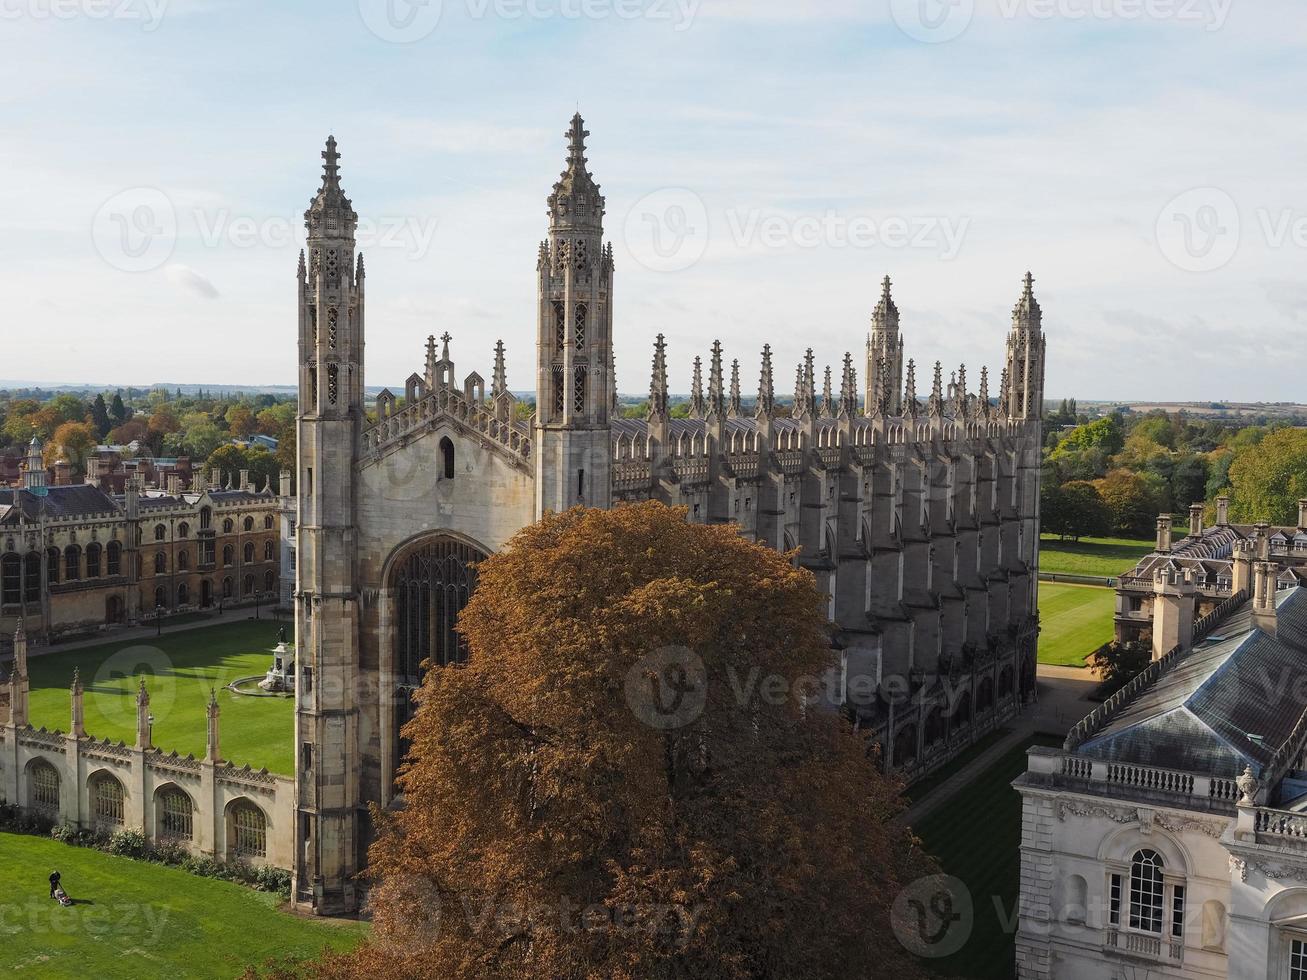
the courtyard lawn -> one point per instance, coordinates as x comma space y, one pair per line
134, 919
1074, 620
1099, 557
976, 837
179, 668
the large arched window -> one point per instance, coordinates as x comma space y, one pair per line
268, 551
228, 526
269, 581
183, 594
249, 552
32, 576
72, 563
43, 787
11, 579
114, 558
247, 831
183, 530
175, 814
447, 458
431, 585
160, 597
52, 564
226, 587
160, 563
93, 552
1146, 889
247, 587
106, 801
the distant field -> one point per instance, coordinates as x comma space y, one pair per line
1100, 557
1074, 620
179, 669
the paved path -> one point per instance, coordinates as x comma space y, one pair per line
144, 634
1063, 701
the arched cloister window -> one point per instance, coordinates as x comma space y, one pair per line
183, 594
228, 526
183, 529
113, 558
227, 587
248, 585
1146, 887
249, 552
269, 553
106, 794
447, 458
43, 787
93, 552
175, 814
72, 563
160, 532
247, 831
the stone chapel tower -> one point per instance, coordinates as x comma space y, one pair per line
885, 358
574, 343
331, 415
1023, 395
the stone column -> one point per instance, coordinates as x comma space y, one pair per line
1195, 520
1222, 511
1164, 533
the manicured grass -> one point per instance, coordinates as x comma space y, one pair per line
1075, 620
180, 669
134, 919
976, 837
1100, 557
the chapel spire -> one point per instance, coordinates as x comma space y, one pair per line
716, 396
733, 403
766, 389
696, 390
658, 383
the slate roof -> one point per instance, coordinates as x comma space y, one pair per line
1230, 703
76, 500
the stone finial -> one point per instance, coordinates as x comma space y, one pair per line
359, 272
144, 735
696, 390
733, 402
910, 405
984, 392
716, 395
935, 404
20, 650
886, 314
658, 382
212, 747
575, 199
848, 388
1248, 786
827, 396
766, 390
960, 392
1026, 315
499, 376
303, 269
78, 729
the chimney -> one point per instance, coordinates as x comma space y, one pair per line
1222, 511
245, 479
1264, 575
174, 484
1164, 532
215, 478
1302, 515
1195, 520
283, 487
1262, 536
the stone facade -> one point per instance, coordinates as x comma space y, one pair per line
75, 559
919, 520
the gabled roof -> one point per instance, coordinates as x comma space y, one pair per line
76, 500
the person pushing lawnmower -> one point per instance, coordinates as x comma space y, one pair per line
57, 890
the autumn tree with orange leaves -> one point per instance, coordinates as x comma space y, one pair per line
633, 777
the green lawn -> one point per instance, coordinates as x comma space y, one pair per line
976, 836
134, 919
1075, 620
180, 668
1101, 557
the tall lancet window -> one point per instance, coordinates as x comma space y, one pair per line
332, 383
560, 328
332, 322
580, 326
313, 322
560, 392
578, 389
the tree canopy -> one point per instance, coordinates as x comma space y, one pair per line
626, 779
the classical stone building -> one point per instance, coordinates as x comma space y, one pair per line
75, 559
919, 519
1167, 838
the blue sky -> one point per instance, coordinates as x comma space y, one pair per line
1144, 158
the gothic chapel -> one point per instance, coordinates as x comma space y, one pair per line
919, 517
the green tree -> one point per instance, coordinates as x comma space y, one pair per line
100, 417
117, 410
1085, 513
1268, 479
1131, 507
